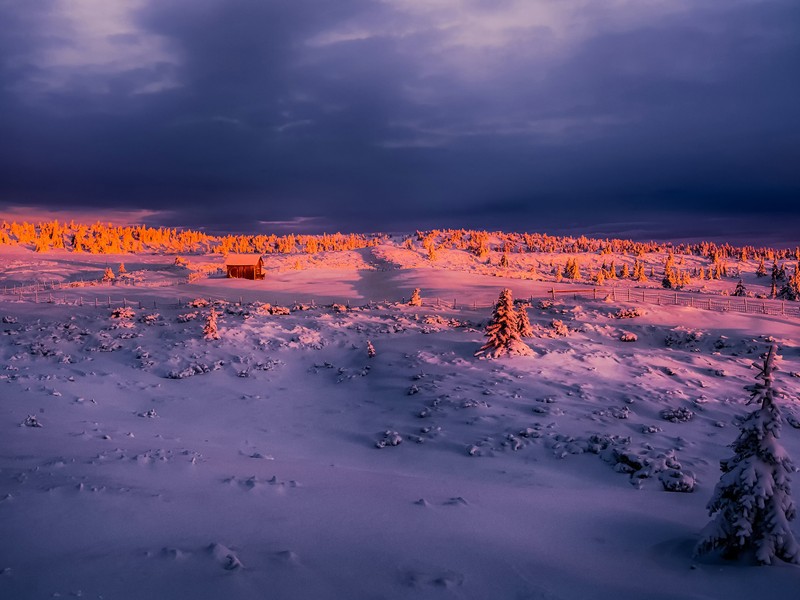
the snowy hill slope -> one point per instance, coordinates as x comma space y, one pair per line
282, 461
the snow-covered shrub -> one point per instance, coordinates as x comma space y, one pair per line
338, 308
195, 369
675, 480
390, 438
198, 302
628, 313
108, 275
628, 337
370, 350
502, 333
558, 328
150, 319
681, 336
752, 501
279, 310
544, 304
185, 318
10, 320
30, 421
123, 312
677, 415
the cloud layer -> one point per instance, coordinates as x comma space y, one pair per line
389, 114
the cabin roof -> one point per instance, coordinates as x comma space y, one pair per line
242, 260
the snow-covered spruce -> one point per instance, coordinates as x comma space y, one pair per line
210, 331
503, 331
415, 300
523, 322
752, 500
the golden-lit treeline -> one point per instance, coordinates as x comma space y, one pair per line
482, 242
105, 238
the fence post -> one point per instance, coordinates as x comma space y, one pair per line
691, 301
643, 296
36, 295
629, 294
594, 292
676, 298
553, 291
614, 294
745, 304
783, 305
109, 301
454, 303
154, 304
658, 298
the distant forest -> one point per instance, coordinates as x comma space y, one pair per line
104, 238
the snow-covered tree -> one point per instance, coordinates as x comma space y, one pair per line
108, 275
740, 289
524, 326
122, 269
503, 337
791, 289
761, 271
210, 331
752, 500
415, 300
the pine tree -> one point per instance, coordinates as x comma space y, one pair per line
504, 260
752, 500
415, 300
122, 268
210, 331
503, 331
108, 275
524, 326
791, 289
761, 271
740, 289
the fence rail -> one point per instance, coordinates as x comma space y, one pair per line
72, 293
741, 304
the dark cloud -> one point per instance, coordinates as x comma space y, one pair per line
369, 115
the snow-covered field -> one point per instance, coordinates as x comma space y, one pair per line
281, 461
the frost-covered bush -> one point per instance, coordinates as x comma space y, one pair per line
390, 438
628, 313
628, 337
752, 500
150, 319
370, 349
558, 328
123, 312
30, 421
677, 415
198, 302
185, 318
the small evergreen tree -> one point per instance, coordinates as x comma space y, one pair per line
210, 331
503, 337
740, 289
791, 289
415, 300
122, 269
761, 271
108, 275
752, 500
524, 326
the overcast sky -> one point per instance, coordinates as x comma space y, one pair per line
628, 117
